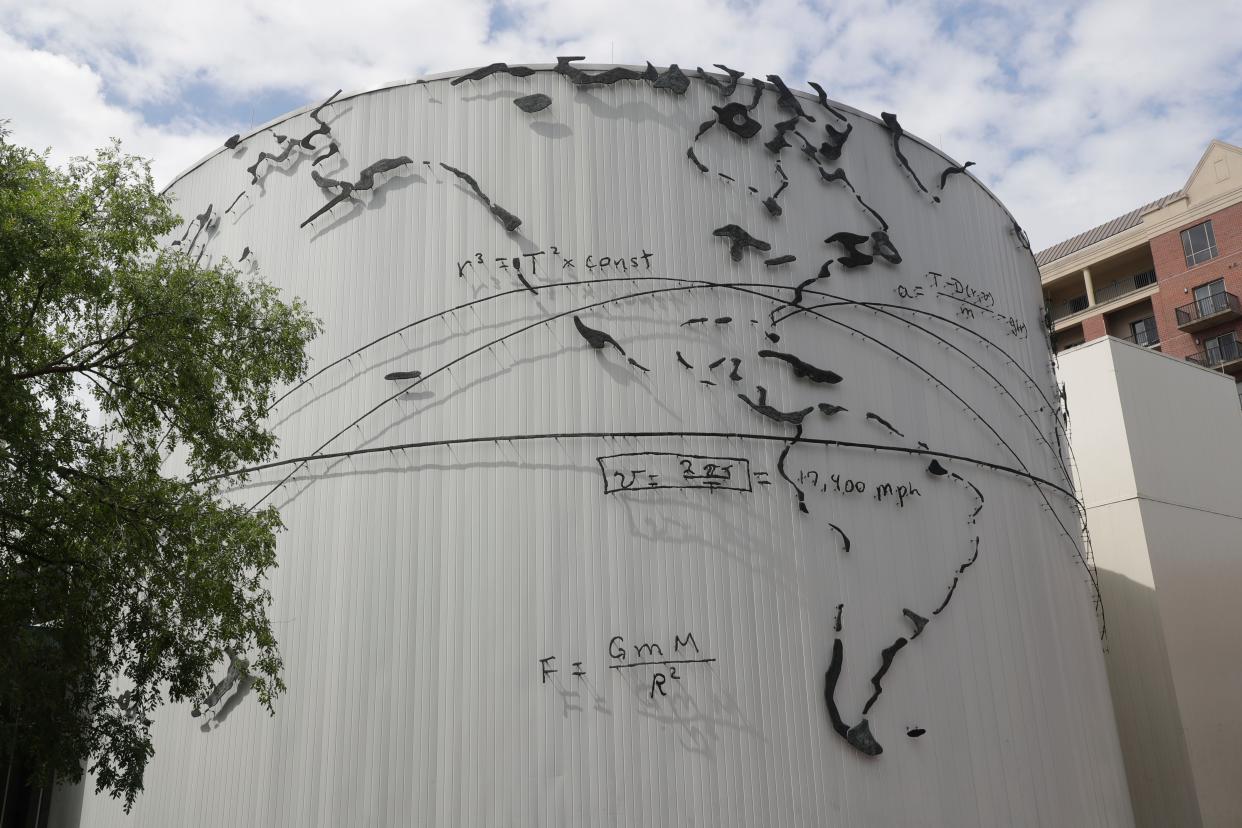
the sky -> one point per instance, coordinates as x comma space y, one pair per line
1074, 112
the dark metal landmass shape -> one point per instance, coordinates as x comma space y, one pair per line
786, 100
672, 79
333, 149
828, 409
234, 203
694, 321
831, 149
366, 181
634, 362
779, 142
773, 207
596, 339
794, 417
314, 113
873, 416
759, 87
533, 103
882, 246
839, 175
716, 364
917, 620
403, 375
897, 133
804, 369
1023, 239
726, 89
739, 240
480, 74
948, 171
723, 320
201, 219
915, 732
860, 737
278, 158
886, 661
734, 375
935, 468
736, 118
780, 260
823, 100
853, 256
232, 141
831, 677
803, 285
578, 77
773, 336
845, 540
245, 255
510, 221
682, 360
704, 127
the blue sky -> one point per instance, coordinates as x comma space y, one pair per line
1073, 111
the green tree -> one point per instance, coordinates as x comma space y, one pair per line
123, 581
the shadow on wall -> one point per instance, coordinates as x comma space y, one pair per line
1162, 789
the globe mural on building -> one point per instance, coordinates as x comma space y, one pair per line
680, 448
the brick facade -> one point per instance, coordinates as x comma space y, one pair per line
1177, 283
1093, 327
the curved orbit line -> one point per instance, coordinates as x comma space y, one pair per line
469, 354
589, 435
1059, 428
684, 284
738, 285
875, 307
692, 285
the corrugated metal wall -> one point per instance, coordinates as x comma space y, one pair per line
420, 588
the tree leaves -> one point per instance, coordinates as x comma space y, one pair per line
122, 581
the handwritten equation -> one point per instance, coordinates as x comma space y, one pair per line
682, 654
898, 493
668, 470
971, 302
557, 261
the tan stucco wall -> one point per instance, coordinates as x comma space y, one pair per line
1157, 444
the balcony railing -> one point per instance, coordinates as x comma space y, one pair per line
1120, 287
1063, 309
1147, 340
1226, 354
1210, 310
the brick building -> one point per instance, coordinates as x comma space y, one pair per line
1167, 275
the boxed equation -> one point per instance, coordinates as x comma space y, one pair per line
667, 470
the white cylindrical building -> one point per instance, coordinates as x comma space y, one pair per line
676, 454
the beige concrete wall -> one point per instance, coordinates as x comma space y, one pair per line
1157, 442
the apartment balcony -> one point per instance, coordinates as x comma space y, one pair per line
1147, 340
1224, 356
1208, 311
1120, 287
1060, 310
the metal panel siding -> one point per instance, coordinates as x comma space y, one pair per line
419, 588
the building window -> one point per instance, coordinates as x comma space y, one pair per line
1223, 348
1210, 298
1143, 332
1199, 244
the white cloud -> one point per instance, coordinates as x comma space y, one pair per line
55, 103
1074, 111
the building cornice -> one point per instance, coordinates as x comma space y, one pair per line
1127, 239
